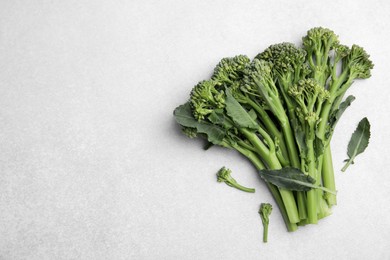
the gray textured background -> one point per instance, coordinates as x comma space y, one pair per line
92, 165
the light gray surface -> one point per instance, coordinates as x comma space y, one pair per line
92, 165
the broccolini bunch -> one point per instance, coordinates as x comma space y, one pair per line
279, 110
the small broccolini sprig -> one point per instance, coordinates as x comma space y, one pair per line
265, 212
223, 175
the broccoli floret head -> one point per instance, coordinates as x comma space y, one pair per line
205, 97
341, 51
258, 70
223, 175
320, 39
265, 211
258, 73
229, 70
285, 58
190, 132
306, 93
359, 63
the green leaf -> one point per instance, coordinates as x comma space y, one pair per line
291, 179
300, 138
252, 114
218, 117
335, 116
207, 146
318, 146
238, 114
359, 141
184, 117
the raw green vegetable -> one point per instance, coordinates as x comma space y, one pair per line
223, 175
291, 179
265, 212
359, 141
280, 110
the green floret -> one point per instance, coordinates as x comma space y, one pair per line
307, 93
289, 66
288, 62
265, 212
356, 64
228, 70
205, 97
359, 63
229, 73
320, 40
341, 51
190, 132
318, 43
223, 175
259, 81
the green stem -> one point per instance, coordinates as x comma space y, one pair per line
291, 145
328, 175
292, 148
270, 126
347, 165
311, 194
274, 190
286, 127
265, 233
295, 162
301, 201
240, 187
273, 163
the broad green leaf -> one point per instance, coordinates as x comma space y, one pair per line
335, 116
252, 114
207, 146
291, 179
218, 117
184, 117
359, 141
238, 114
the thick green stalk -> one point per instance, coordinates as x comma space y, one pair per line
292, 148
270, 126
301, 202
291, 145
311, 194
273, 163
286, 127
328, 175
325, 111
325, 161
260, 148
295, 162
274, 190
